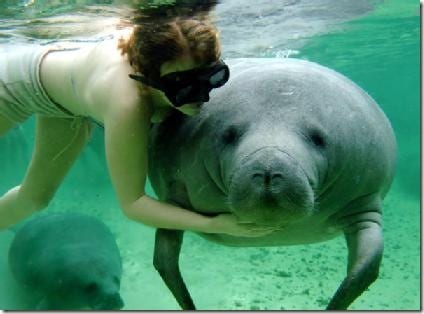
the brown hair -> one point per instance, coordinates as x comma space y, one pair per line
151, 44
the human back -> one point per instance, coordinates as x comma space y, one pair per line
87, 79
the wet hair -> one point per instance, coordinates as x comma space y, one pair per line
154, 42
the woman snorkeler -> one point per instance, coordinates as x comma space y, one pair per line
124, 83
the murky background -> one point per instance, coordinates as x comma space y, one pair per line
375, 43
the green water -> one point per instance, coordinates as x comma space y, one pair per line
380, 52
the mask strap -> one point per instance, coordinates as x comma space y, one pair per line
144, 80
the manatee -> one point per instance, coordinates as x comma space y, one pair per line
70, 260
285, 143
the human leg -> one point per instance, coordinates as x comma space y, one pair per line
58, 142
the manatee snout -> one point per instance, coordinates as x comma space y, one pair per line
270, 187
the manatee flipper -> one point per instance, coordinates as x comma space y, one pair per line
365, 246
165, 260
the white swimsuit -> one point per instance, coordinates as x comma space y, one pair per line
21, 91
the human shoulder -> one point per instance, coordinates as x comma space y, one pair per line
110, 87
128, 109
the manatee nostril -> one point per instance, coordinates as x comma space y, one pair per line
277, 176
267, 177
260, 178
257, 175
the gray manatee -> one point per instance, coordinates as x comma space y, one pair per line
285, 143
71, 261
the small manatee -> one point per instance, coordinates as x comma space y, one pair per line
71, 260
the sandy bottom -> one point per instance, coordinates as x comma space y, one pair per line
225, 278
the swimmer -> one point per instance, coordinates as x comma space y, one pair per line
125, 83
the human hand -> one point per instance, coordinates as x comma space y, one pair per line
228, 224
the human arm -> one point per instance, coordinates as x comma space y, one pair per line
126, 138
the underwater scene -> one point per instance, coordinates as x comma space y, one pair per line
374, 43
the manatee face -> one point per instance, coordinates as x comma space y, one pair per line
260, 172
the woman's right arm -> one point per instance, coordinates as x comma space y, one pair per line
126, 137
163, 215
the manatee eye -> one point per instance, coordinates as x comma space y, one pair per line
317, 138
230, 135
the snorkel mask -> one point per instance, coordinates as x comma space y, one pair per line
190, 86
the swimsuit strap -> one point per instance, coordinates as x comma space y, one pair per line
75, 125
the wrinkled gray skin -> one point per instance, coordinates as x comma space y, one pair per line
70, 260
285, 143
